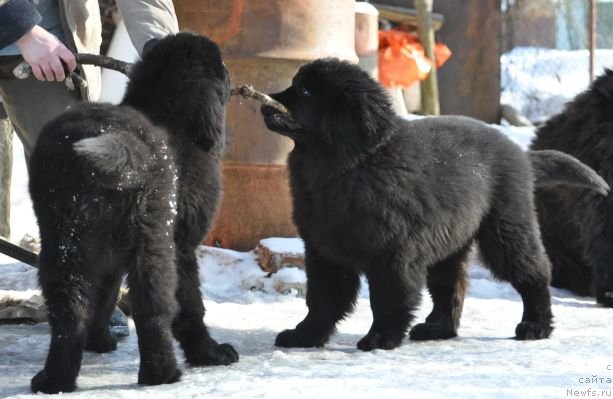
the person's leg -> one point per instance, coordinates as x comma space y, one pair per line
30, 103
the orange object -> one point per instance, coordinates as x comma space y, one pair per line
402, 59
441, 54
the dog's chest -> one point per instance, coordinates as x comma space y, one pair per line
331, 222
198, 189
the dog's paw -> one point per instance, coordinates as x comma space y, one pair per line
101, 343
430, 331
213, 354
529, 330
157, 374
298, 338
42, 383
604, 297
118, 324
376, 340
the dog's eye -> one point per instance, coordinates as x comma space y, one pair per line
302, 91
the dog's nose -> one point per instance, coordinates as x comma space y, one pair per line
267, 110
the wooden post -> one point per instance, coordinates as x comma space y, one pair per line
469, 83
592, 44
6, 168
429, 87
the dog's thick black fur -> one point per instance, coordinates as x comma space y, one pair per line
133, 189
577, 224
403, 202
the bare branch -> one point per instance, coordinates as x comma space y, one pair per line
23, 70
105, 62
248, 91
75, 78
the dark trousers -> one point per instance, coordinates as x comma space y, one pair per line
29, 104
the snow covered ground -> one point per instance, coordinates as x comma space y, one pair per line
247, 308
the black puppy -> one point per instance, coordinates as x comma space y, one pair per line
133, 189
577, 224
403, 202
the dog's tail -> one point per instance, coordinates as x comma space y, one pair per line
115, 163
553, 168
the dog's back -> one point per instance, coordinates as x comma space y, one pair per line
583, 128
95, 162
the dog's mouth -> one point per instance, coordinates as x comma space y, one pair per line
281, 122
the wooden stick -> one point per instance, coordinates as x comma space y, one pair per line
105, 62
16, 252
23, 70
248, 91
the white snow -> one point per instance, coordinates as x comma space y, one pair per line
288, 245
538, 81
248, 307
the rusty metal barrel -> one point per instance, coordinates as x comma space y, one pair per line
263, 43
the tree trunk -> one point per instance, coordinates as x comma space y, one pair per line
429, 87
6, 168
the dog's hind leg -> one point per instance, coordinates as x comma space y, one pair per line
395, 292
569, 269
67, 294
599, 252
331, 294
188, 326
511, 248
99, 337
152, 284
447, 284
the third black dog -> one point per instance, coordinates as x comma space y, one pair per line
577, 224
402, 202
133, 189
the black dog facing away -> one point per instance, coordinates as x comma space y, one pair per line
577, 224
402, 202
133, 189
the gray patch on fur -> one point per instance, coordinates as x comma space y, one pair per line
106, 152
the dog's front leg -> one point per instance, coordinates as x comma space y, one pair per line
188, 327
331, 294
395, 292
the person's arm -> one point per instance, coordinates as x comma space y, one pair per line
17, 17
148, 19
41, 49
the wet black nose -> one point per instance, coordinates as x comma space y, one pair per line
267, 110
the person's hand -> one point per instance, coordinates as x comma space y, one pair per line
45, 53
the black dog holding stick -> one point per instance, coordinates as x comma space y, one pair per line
403, 202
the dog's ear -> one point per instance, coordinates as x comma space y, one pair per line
206, 129
374, 115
